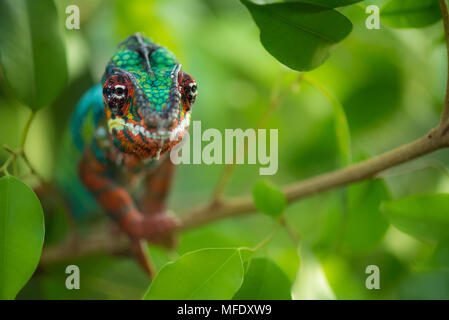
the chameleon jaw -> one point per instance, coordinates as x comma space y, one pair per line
160, 135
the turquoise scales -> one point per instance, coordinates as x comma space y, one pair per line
156, 87
124, 129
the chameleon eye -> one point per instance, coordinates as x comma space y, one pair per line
192, 93
193, 88
116, 94
120, 91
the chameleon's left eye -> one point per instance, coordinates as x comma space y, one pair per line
116, 93
193, 89
120, 91
189, 89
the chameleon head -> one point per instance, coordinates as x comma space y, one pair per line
147, 98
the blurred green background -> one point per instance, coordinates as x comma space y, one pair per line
390, 83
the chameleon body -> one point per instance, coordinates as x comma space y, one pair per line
125, 128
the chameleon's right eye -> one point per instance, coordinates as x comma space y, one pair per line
116, 93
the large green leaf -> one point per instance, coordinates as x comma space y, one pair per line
299, 35
410, 13
425, 216
264, 280
329, 3
32, 53
21, 235
204, 274
268, 198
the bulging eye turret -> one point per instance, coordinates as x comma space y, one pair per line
189, 90
193, 91
116, 94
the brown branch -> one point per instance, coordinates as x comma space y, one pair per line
445, 14
296, 191
236, 206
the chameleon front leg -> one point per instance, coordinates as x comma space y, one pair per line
117, 202
157, 186
153, 202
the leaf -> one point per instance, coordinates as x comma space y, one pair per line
269, 199
378, 91
329, 3
365, 225
32, 53
440, 257
21, 235
282, 251
204, 274
410, 13
347, 277
425, 216
299, 35
264, 280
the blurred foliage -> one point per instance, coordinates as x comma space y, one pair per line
264, 280
268, 198
214, 274
378, 89
22, 226
411, 13
31, 47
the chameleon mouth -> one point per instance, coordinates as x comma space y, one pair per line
150, 136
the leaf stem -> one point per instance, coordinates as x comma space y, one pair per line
27, 129
275, 101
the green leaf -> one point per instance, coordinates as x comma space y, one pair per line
378, 91
32, 53
21, 235
365, 225
269, 199
410, 13
204, 274
440, 257
329, 3
264, 280
425, 216
299, 35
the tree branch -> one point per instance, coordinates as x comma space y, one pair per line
342, 177
236, 206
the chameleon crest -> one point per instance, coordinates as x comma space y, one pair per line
147, 98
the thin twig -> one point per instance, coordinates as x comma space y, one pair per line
27, 129
275, 101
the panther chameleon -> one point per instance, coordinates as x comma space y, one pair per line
138, 114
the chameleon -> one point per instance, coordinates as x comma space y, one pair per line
125, 127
